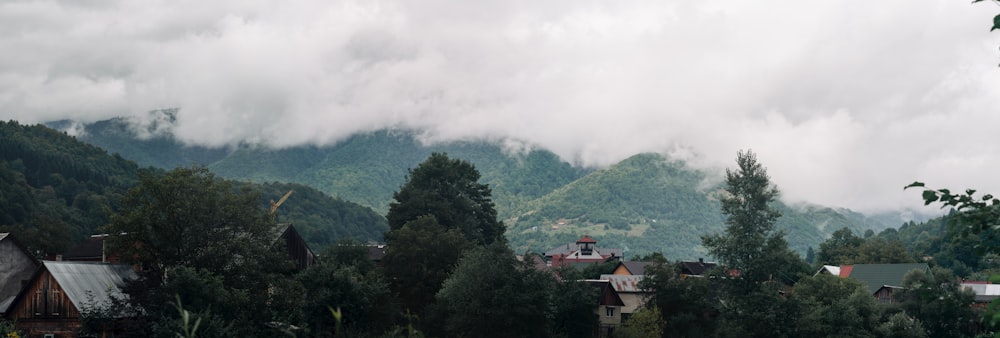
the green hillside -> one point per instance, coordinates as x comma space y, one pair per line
650, 203
55, 191
644, 203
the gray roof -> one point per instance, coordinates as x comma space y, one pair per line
984, 292
89, 283
875, 276
569, 248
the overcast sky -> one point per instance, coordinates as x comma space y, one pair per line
844, 101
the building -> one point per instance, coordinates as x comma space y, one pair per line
696, 269
628, 288
51, 302
584, 251
16, 267
881, 280
608, 310
295, 246
631, 268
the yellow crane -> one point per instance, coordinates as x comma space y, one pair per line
275, 205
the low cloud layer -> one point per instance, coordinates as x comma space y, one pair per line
844, 101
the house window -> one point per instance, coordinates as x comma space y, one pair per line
609, 311
56, 302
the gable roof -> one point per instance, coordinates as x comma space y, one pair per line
83, 280
828, 269
984, 292
608, 295
84, 283
696, 268
875, 276
635, 268
624, 283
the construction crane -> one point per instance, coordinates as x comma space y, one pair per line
275, 205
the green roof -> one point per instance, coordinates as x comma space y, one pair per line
875, 276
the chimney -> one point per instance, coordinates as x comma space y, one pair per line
701, 260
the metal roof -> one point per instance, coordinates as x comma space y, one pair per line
88, 283
984, 292
874, 276
624, 283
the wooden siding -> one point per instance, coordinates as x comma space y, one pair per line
44, 299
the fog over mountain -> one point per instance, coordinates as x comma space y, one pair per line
844, 101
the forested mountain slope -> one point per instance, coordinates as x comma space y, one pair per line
644, 203
55, 191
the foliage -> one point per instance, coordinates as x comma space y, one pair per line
572, 309
514, 306
8, 329
688, 307
846, 248
448, 189
323, 220
834, 304
937, 300
201, 239
55, 189
418, 259
642, 323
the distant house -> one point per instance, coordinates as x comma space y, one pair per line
985, 293
608, 310
16, 267
627, 286
696, 269
828, 270
584, 251
376, 252
881, 280
296, 247
631, 268
51, 302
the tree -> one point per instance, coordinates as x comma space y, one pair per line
688, 307
754, 254
514, 303
419, 257
750, 243
450, 190
840, 248
202, 239
938, 301
834, 304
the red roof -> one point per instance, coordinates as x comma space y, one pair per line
586, 239
845, 270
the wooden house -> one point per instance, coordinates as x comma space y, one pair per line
296, 248
50, 305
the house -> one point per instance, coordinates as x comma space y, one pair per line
51, 302
631, 268
584, 251
696, 269
881, 280
16, 267
376, 252
627, 286
985, 293
608, 309
828, 270
296, 247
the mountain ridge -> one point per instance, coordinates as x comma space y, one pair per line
647, 202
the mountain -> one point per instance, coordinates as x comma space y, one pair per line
644, 203
55, 190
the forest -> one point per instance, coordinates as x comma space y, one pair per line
646, 203
446, 243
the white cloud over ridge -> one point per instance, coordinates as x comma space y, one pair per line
845, 102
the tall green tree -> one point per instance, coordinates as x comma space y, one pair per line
200, 238
754, 255
440, 211
938, 301
448, 189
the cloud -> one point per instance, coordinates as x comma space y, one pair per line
845, 102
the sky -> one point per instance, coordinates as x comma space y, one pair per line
844, 102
